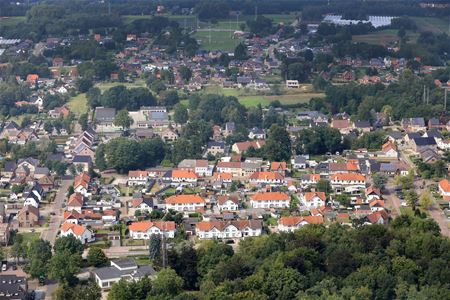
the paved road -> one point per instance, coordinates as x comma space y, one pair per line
51, 232
392, 201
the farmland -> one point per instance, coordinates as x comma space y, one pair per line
383, 37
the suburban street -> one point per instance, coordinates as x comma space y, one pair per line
51, 232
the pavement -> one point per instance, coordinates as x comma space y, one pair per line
122, 251
392, 201
50, 233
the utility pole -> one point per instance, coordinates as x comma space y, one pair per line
256, 12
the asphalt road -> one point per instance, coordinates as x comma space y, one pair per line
51, 232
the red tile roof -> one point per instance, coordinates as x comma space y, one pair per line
265, 196
184, 199
146, 225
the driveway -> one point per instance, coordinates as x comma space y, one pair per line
50, 233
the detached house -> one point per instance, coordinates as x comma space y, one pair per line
292, 223
83, 234
241, 147
145, 229
81, 183
75, 202
270, 200
28, 216
413, 124
185, 203
228, 203
180, 177
342, 125
313, 199
228, 229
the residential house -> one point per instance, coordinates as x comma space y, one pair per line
388, 151
169, 135
257, 134
83, 234
348, 182
198, 166
241, 147
413, 124
444, 189
215, 148
228, 229
266, 178
28, 216
104, 119
421, 143
270, 200
362, 126
126, 269
378, 217
82, 162
435, 123
180, 177
228, 203
142, 204
58, 112
137, 178
81, 183
75, 202
185, 203
33, 196
312, 199
230, 128
394, 168
230, 167
310, 179
343, 125
279, 167
372, 193
292, 223
145, 229
299, 162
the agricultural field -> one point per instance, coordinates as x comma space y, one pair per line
435, 25
384, 37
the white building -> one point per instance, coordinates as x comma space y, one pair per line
313, 199
137, 178
145, 229
228, 229
185, 203
270, 199
83, 234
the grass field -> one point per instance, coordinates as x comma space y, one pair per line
220, 40
249, 98
435, 25
78, 104
11, 21
383, 37
107, 85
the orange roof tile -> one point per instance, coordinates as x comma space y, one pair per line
137, 173
144, 226
76, 199
444, 184
184, 199
266, 176
294, 220
278, 166
184, 174
223, 176
82, 180
348, 177
77, 230
265, 196
310, 195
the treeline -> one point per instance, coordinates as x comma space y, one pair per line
403, 99
409, 259
119, 97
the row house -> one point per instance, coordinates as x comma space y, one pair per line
185, 203
180, 177
309, 179
137, 177
75, 202
145, 229
81, 184
82, 233
270, 200
266, 178
228, 229
292, 223
348, 182
413, 124
198, 166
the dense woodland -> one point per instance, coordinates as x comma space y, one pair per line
406, 260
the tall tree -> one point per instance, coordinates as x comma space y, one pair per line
123, 119
278, 145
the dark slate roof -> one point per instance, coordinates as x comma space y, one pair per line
105, 114
11, 287
362, 124
424, 141
220, 144
10, 166
56, 157
256, 130
434, 133
82, 159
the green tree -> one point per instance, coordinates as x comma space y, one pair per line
180, 115
123, 119
83, 121
379, 180
154, 247
324, 186
185, 73
39, 254
167, 283
240, 52
68, 243
84, 84
278, 145
96, 257
63, 266
426, 200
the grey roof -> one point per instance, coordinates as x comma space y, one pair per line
125, 263
396, 135
414, 122
108, 273
362, 124
220, 144
230, 126
433, 132
425, 141
299, 159
82, 159
10, 166
12, 287
256, 130
56, 157
105, 114
158, 116
42, 170
413, 135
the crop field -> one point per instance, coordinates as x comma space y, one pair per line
220, 40
11, 21
383, 37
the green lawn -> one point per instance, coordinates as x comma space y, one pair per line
103, 86
435, 25
383, 37
220, 40
28, 237
78, 104
11, 21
